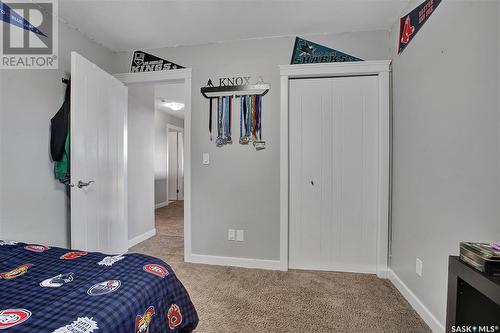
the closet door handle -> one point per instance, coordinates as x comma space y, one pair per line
83, 184
312, 182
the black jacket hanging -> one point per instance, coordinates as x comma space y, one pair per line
59, 126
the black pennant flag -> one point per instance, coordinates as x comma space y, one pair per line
145, 62
410, 24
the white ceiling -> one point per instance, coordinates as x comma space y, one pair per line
124, 25
172, 92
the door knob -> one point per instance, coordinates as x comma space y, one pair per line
83, 184
312, 182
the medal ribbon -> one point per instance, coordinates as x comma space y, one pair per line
210, 119
226, 117
247, 117
230, 117
219, 118
241, 118
259, 116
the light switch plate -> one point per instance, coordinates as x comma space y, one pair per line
418, 267
240, 235
231, 234
206, 158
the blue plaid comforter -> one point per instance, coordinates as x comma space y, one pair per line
49, 289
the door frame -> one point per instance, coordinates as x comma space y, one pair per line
359, 68
169, 76
177, 129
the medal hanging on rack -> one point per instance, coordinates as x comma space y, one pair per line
219, 141
258, 143
243, 120
210, 116
229, 108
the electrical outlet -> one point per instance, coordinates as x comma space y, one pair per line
240, 235
231, 234
418, 267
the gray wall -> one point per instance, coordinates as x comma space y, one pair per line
240, 187
446, 143
141, 117
161, 120
35, 207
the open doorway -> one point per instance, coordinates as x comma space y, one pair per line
158, 101
169, 166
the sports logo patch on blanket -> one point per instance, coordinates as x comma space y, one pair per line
57, 281
110, 260
104, 288
13, 317
81, 325
16, 272
142, 322
156, 269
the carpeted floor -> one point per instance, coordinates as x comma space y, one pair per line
249, 300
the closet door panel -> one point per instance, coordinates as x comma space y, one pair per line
310, 100
355, 170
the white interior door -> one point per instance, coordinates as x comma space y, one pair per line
180, 165
334, 173
98, 159
172, 165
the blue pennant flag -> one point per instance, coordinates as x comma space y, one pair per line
307, 52
9, 16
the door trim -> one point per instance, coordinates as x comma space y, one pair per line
382, 70
172, 76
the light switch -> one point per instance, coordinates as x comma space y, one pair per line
418, 267
206, 158
240, 237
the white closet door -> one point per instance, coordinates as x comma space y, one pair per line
334, 173
172, 165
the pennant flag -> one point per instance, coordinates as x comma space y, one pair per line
410, 24
11, 17
306, 52
145, 62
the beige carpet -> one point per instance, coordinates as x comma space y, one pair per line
250, 300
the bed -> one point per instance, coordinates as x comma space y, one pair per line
50, 289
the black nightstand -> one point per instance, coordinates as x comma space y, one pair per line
473, 297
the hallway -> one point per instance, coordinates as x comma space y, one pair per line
169, 240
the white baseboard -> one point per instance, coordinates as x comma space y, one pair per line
236, 262
161, 204
435, 325
141, 238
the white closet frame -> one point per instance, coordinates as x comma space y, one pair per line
358, 68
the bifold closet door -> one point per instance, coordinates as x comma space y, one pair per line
333, 173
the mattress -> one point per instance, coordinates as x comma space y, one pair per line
50, 289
